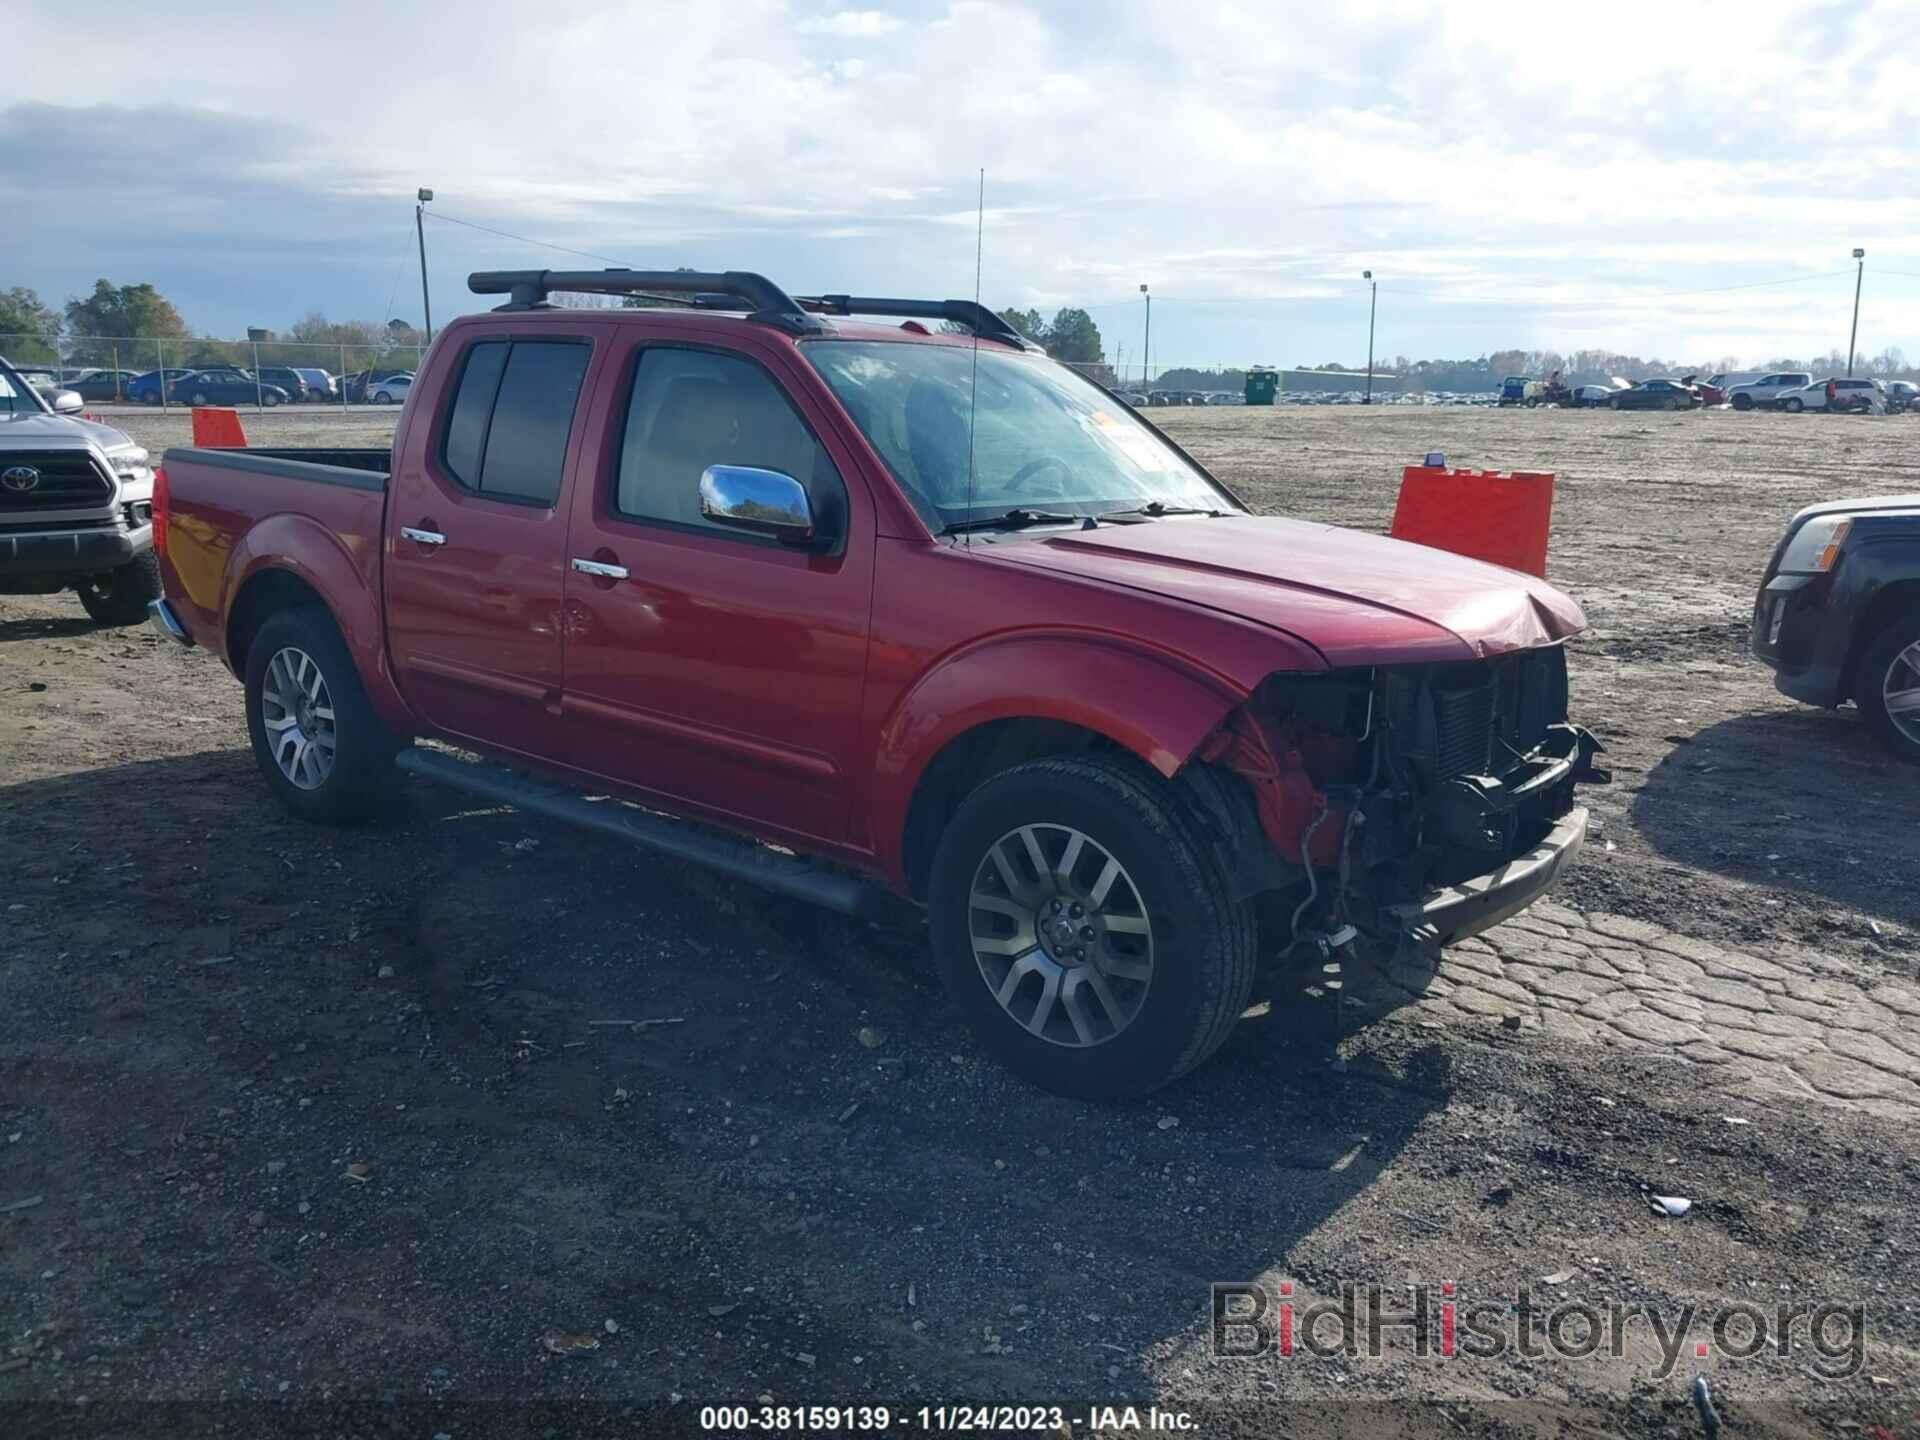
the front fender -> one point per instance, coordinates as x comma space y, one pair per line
344, 572
1157, 705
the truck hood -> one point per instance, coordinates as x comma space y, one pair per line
1358, 599
56, 432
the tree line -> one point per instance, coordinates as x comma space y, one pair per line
119, 325
85, 330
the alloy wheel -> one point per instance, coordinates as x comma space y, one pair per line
1900, 693
297, 709
1061, 935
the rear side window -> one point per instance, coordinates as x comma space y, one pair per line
506, 436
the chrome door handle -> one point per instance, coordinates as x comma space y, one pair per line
422, 537
600, 570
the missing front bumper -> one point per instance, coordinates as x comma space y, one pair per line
1454, 912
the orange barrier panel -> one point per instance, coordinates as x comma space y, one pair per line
217, 427
1502, 519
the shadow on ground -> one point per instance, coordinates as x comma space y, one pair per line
1801, 799
585, 1084
44, 628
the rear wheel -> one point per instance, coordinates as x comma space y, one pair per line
1743, 402
198, 398
1615, 405
119, 597
1084, 932
316, 736
1887, 685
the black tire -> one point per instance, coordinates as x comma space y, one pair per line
1203, 940
1615, 405
362, 771
269, 399
119, 597
1742, 402
1793, 405
1870, 677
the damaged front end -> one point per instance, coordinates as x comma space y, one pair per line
1418, 803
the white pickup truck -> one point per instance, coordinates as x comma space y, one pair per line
76, 506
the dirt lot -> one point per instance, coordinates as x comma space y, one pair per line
305, 1128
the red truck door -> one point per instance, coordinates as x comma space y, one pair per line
477, 537
704, 662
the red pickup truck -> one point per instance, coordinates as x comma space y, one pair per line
874, 613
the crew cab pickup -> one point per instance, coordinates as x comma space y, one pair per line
75, 506
887, 614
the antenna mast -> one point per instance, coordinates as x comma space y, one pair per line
973, 398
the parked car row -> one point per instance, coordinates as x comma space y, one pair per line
1789, 390
228, 385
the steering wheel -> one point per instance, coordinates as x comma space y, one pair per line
1032, 468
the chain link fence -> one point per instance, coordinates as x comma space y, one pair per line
140, 370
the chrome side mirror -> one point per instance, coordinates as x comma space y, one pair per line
66, 402
766, 502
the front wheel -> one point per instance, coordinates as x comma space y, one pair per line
1888, 686
119, 597
269, 399
1743, 402
1084, 932
1793, 405
316, 736
1615, 405
381, 397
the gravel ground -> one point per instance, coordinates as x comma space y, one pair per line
306, 1129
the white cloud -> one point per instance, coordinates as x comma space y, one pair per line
1509, 183
852, 24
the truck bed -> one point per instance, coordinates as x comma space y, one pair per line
228, 510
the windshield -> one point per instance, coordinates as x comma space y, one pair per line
1043, 439
16, 396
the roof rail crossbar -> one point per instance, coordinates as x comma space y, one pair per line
971, 313
764, 301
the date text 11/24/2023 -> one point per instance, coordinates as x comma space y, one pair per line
976, 1419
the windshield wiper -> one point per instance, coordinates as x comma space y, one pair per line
1158, 508
1015, 519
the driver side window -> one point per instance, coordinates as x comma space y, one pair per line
693, 408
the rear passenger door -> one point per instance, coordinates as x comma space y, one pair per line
704, 662
477, 535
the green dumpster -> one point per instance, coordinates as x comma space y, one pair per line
1262, 385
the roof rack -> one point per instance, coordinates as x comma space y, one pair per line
709, 290
738, 290
971, 313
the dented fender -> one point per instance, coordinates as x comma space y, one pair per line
1159, 706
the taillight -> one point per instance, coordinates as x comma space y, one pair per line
161, 498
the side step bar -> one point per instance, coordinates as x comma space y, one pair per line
770, 869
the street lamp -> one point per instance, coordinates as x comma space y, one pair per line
420, 229
1373, 299
1859, 274
1146, 343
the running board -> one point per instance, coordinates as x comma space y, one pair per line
770, 869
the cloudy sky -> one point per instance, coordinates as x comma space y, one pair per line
1560, 175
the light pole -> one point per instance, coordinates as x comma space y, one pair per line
1146, 343
1373, 300
420, 229
1859, 274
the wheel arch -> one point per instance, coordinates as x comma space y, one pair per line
1009, 701
289, 561
1898, 598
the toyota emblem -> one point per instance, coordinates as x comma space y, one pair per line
20, 478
